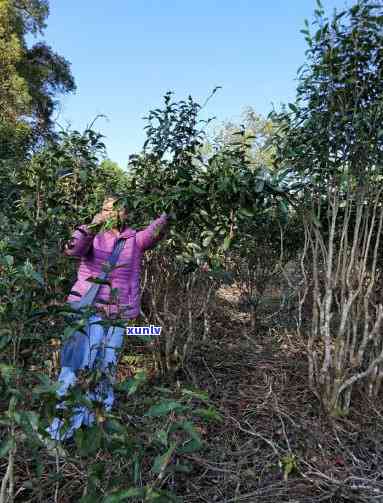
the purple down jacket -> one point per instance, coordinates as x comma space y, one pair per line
94, 251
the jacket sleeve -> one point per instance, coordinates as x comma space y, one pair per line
153, 233
80, 242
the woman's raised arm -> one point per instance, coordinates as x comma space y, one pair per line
153, 232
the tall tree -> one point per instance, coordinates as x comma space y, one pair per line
30, 77
334, 139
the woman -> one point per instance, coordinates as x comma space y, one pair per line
121, 299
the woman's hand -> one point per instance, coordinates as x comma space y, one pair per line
101, 217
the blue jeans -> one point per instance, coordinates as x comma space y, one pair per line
101, 352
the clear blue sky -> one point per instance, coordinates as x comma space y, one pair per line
126, 54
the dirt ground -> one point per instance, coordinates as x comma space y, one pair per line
274, 445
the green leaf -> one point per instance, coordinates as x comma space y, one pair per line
7, 372
283, 208
29, 421
9, 260
46, 388
191, 446
163, 390
68, 332
246, 212
131, 385
113, 426
288, 464
143, 338
201, 395
162, 436
226, 243
194, 246
163, 460
6, 446
164, 408
189, 428
88, 441
136, 468
99, 281
315, 220
83, 175
37, 276
211, 414
259, 185
161, 496
89, 498
207, 241
180, 468
196, 189
133, 492
4, 341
